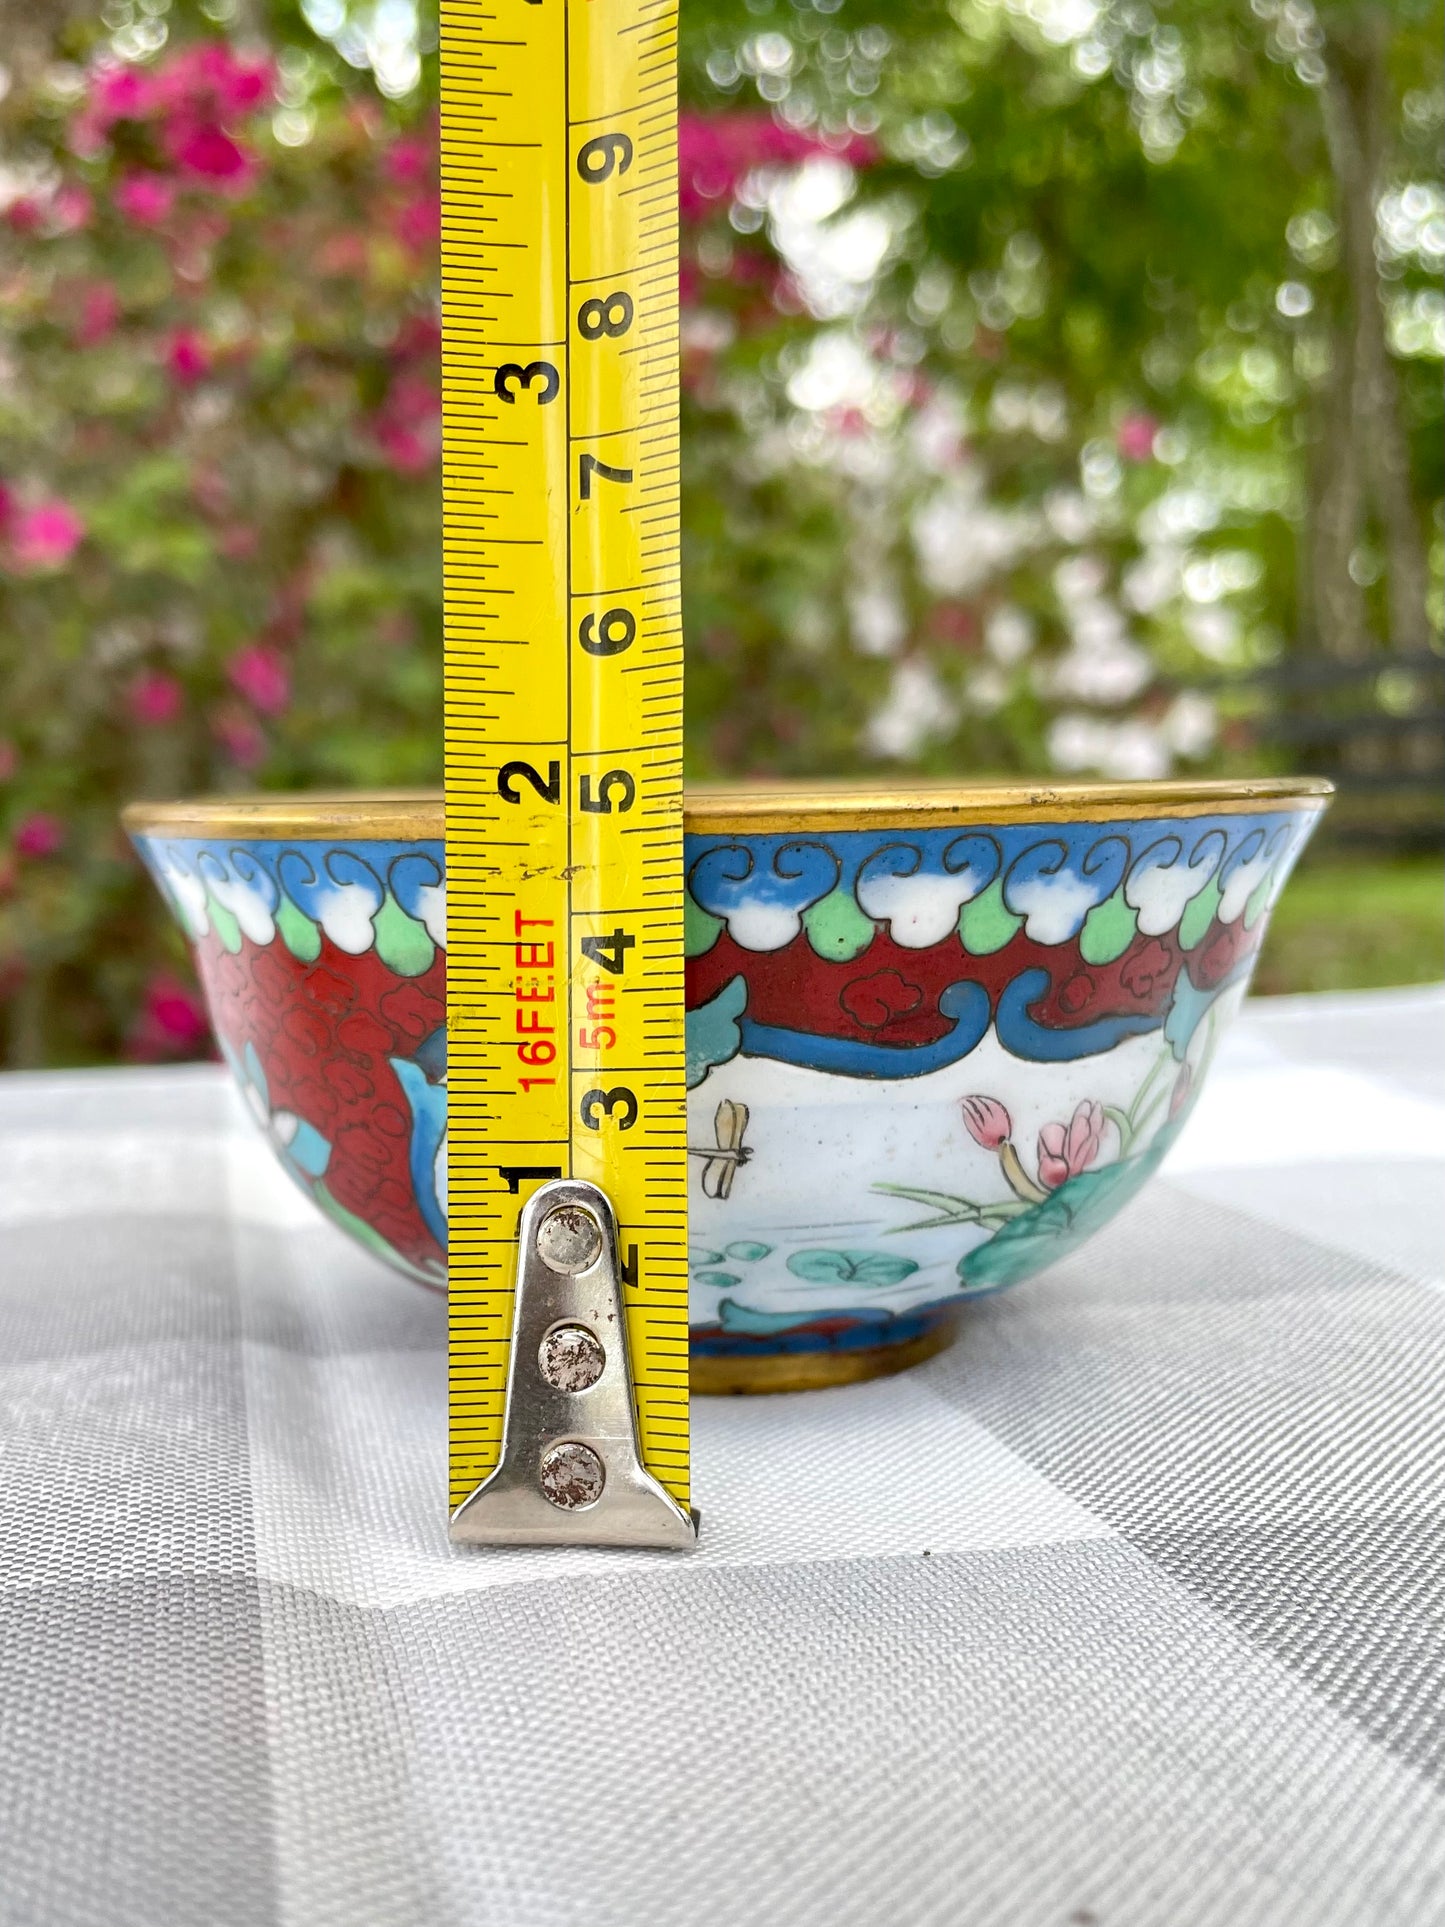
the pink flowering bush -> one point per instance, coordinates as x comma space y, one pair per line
43, 536
716, 153
219, 502
219, 508
976, 474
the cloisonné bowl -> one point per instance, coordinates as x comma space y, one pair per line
935, 1036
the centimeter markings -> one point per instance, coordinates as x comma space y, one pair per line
563, 675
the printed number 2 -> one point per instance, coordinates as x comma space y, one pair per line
548, 787
588, 466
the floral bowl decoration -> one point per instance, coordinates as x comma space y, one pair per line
935, 1036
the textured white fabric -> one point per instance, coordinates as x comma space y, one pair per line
1127, 1612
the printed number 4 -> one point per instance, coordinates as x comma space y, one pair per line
610, 952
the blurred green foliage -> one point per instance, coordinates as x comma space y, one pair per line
1351, 923
1050, 367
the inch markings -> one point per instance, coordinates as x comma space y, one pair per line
563, 763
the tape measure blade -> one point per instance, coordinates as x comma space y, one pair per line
563, 675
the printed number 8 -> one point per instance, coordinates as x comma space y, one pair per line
605, 315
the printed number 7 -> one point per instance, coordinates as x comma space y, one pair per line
588, 466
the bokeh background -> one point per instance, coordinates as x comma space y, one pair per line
1061, 392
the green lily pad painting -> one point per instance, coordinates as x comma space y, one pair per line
878, 1268
1061, 1222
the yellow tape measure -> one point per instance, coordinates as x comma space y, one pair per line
563, 676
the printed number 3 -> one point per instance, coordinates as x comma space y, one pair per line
618, 1104
513, 371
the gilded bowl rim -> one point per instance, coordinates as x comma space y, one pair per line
749, 807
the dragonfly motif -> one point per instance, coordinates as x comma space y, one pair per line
722, 1160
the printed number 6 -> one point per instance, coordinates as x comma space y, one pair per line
601, 158
614, 632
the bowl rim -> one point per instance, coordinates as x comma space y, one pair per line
756, 807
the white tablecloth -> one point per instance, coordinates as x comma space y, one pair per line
1128, 1610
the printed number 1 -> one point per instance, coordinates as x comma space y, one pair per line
588, 466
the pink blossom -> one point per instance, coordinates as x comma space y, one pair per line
210, 489
24, 214
116, 93
408, 425
206, 81
238, 542
987, 1122
341, 254
241, 738
420, 335
45, 536
178, 1011
121, 93
187, 357
155, 698
407, 452
1134, 437
99, 312
419, 222
145, 199
204, 148
1065, 1151
409, 160
72, 207
172, 1021
211, 74
40, 834
715, 152
262, 677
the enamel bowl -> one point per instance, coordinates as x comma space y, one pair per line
935, 1036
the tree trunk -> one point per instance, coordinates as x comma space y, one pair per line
1357, 108
1333, 602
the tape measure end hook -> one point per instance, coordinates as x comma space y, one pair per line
571, 1470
